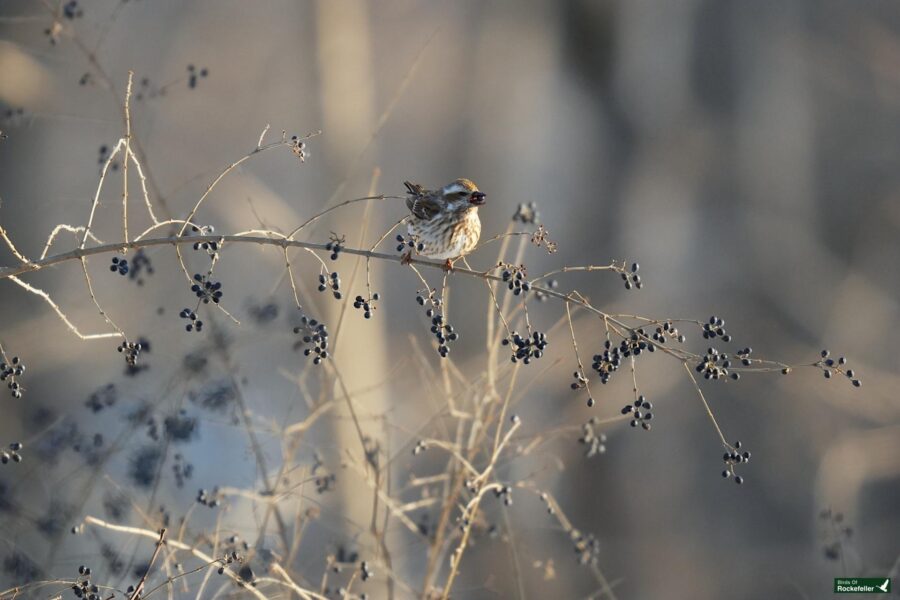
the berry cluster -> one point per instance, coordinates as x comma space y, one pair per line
194, 74
298, 148
208, 499
541, 296
631, 278
83, 588
464, 524
580, 380
541, 238
102, 398
247, 576
314, 333
133, 370
194, 323
744, 355
504, 492
335, 245
104, 156
334, 284
715, 327
71, 10
516, 283
367, 306
54, 32
325, 482
152, 425
146, 91
640, 412
131, 350
667, 331
596, 443
420, 447
527, 214
443, 332
836, 533
545, 498
13, 454
211, 247
9, 373
233, 556
714, 365
140, 263
609, 362
412, 242
528, 347
831, 366
263, 313
365, 571
120, 265
206, 289
587, 547
13, 116
180, 428
732, 458
636, 343
182, 470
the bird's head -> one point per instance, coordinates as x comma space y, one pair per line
462, 194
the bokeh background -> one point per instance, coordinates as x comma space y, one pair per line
744, 152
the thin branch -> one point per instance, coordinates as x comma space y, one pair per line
61, 314
709, 411
140, 586
89, 520
127, 153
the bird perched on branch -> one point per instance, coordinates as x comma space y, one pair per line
445, 221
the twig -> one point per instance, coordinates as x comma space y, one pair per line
140, 586
89, 520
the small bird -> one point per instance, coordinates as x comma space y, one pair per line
445, 221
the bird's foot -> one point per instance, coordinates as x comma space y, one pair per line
448, 265
406, 257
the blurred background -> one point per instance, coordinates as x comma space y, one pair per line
744, 153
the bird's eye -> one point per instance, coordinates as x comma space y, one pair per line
463, 194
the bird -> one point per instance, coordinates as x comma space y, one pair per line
444, 222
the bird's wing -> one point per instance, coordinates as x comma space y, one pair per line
420, 203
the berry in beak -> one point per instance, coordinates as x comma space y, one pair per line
477, 198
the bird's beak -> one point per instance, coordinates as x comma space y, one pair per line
477, 198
